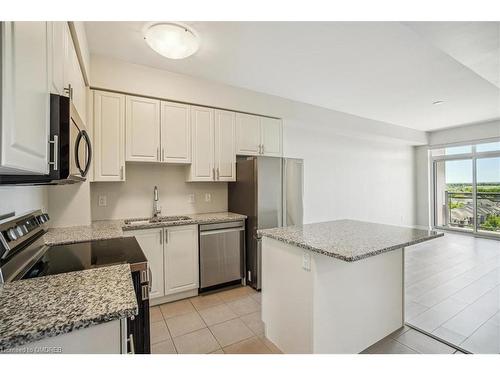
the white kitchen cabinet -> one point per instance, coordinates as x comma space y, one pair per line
151, 242
181, 259
142, 129
248, 137
58, 41
109, 136
24, 92
271, 136
258, 135
104, 338
202, 166
74, 81
225, 149
175, 133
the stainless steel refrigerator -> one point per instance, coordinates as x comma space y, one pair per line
269, 192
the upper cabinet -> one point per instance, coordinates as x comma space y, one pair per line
109, 136
247, 134
202, 130
142, 129
25, 125
256, 135
225, 149
175, 133
213, 137
271, 136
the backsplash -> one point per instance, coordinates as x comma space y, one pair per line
23, 198
134, 197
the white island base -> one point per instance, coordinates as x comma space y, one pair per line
313, 303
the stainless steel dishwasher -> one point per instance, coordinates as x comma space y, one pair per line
222, 254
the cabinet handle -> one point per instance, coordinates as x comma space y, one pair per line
131, 342
69, 91
166, 236
55, 152
213, 173
121, 173
161, 237
158, 153
217, 173
162, 154
150, 279
262, 149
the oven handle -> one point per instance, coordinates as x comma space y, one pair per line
83, 134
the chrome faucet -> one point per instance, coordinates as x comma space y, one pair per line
156, 205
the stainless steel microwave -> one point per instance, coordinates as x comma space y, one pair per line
70, 148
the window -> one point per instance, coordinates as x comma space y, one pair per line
467, 188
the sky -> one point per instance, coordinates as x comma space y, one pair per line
460, 171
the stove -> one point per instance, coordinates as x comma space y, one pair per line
24, 255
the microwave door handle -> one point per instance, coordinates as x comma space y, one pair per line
83, 134
89, 152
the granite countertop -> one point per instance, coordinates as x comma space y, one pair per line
48, 306
106, 229
349, 240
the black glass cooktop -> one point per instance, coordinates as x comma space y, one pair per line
86, 255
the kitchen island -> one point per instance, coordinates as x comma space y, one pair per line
334, 287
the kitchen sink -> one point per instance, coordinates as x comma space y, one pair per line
159, 219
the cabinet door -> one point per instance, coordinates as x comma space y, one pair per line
109, 136
151, 242
225, 151
143, 129
75, 79
175, 133
271, 131
181, 258
58, 40
25, 98
247, 134
202, 129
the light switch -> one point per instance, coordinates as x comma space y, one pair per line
103, 201
306, 261
208, 197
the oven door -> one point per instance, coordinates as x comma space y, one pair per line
80, 153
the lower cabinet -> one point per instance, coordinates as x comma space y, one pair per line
104, 338
172, 254
181, 259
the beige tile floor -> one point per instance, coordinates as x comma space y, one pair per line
453, 291
229, 322
222, 322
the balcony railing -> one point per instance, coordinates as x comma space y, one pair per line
459, 210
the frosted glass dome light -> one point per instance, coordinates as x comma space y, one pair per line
172, 40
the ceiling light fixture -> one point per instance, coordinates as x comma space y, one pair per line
437, 102
172, 40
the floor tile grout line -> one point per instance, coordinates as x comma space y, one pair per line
486, 321
415, 349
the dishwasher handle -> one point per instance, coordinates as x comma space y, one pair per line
217, 231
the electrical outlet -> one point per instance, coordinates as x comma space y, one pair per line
208, 197
103, 201
191, 198
306, 261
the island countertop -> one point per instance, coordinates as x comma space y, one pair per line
349, 240
48, 306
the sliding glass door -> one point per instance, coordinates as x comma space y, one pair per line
466, 182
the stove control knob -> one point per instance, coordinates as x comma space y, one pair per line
46, 216
23, 228
41, 219
19, 231
11, 233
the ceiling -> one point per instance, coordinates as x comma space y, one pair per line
386, 71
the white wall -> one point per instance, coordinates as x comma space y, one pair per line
422, 187
69, 205
134, 197
23, 198
354, 167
